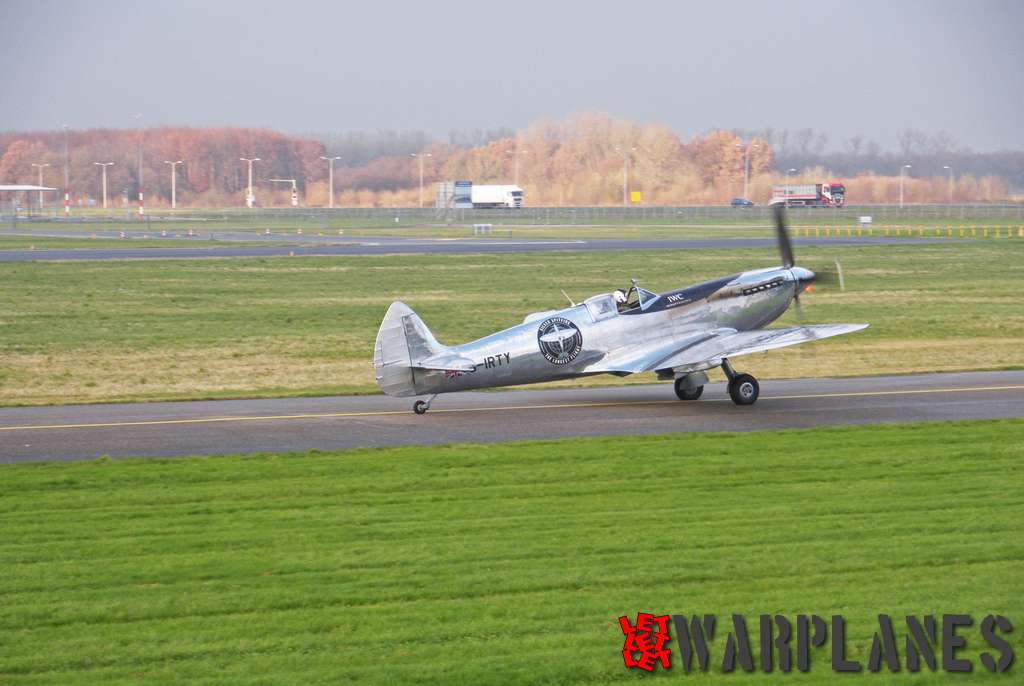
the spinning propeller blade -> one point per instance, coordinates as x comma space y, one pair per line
782, 236
831, 276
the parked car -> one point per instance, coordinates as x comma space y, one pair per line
741, 202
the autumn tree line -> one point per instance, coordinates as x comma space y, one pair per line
581, 160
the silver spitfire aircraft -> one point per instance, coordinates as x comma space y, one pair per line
679, 334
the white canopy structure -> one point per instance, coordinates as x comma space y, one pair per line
24, 187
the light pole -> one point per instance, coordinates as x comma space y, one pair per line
330, 162
47, 164
67, 176
626, 157
902, 170
516, 154
421, 156
142, 205
746, 166
174, 189
945, 166
250, 199
788, 191
104, 165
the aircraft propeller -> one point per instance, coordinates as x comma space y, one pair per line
827, 276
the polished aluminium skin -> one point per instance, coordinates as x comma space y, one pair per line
679, 334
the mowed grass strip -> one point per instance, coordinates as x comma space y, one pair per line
126, 330
503, 563
133, 240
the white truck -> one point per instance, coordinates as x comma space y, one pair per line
495, 196
828, 194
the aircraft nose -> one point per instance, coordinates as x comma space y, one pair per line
804, 276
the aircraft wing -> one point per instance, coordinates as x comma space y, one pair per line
644, 356
447, 362
705, 349
710, 352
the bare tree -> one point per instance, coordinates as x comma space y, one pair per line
854, 144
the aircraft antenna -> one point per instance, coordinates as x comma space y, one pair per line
571, 303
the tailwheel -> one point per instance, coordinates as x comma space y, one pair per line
744, 389
685, 391
421, 406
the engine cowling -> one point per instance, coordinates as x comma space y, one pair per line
535, 316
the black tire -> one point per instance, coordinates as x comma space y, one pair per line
419, 407
684, 393
744, 389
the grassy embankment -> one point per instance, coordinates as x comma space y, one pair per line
119, 330
554, 224
486, 564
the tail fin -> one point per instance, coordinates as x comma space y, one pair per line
402, 342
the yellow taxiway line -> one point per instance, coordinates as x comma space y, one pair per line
554, 406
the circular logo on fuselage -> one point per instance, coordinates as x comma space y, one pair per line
559, 340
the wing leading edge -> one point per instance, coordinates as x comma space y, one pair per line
711, 352
706, 350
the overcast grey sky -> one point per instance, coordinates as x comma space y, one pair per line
845, 67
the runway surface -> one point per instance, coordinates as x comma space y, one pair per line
397, 245
281, 425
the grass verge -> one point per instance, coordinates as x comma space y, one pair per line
499, 564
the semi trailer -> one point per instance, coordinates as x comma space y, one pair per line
828, 194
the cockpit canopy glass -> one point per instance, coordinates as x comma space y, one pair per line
601, 306
645, 297
639, 297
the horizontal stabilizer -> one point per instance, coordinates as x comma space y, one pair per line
447, 362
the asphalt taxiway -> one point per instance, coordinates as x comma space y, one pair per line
71, 432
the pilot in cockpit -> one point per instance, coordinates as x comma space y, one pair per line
620, 299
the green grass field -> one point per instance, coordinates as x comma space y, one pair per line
500, 564
120, 330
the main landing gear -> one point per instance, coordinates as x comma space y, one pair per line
691, 386
743, 388
421, 406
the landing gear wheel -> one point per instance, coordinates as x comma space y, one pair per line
420, 407
744, 389
684, 393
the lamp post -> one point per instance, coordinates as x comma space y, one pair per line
421, 156
626, 157
142, 205
174, 190
103, 166
788, 191
330, 163
67, 176
515, 155
945, 166
250, 199
746, 165
902, 174
46, 164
